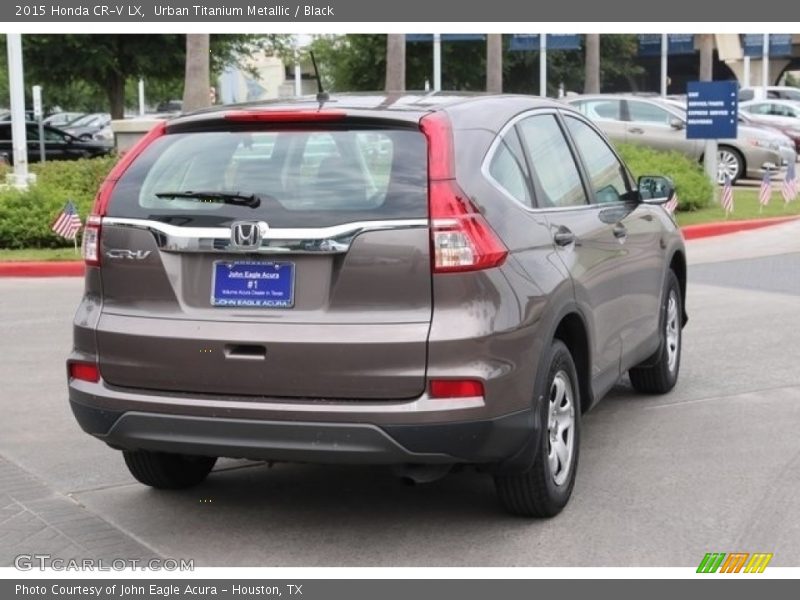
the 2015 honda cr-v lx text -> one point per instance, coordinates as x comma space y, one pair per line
419, 281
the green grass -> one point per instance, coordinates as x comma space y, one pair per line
39, 254
745, 207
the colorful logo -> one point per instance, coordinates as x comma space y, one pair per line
734, 562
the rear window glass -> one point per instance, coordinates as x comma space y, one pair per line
302, 178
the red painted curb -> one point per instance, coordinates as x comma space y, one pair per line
693, 232
66, 268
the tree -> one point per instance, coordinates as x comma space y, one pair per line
101, 65
358, 62
198, 78
591, 82
494, 63
706, 43
395, 62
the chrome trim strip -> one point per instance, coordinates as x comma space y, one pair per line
335, 239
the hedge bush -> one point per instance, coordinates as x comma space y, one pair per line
26, 216
691, 183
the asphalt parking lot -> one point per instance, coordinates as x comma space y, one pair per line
713, 466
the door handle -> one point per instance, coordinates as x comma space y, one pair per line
563, 237
620, 232
637, 130
245, 351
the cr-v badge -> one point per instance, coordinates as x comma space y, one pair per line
127, 254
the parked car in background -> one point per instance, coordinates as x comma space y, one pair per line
661, 124
105, 135
787, 137
5, 115
62, 119
783, 92
417, 281
58, 144
780, 114
86, 126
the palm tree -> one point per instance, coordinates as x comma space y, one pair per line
395, 62
196, 88
494, 63
591, 83
706, 43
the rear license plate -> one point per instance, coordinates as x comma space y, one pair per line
256, 284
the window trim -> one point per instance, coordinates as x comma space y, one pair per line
512, 124
626, 174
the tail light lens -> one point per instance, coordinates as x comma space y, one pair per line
90, 246
84, 371
456, 388
461, 239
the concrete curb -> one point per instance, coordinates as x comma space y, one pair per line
74, 268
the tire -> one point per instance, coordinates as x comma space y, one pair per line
167, 471
544, 489
730, 161
659, 373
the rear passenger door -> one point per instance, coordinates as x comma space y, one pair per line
637, 230
583, 237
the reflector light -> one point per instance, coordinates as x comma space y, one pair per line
84, 371
456, 388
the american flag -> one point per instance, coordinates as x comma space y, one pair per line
67, 223
789, 188
765, 193
727, 196
672, 203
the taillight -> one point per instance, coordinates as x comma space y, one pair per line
285, 116
85, 371
461, 239
107, 187
90, 246
455, 388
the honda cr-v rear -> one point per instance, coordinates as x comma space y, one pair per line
384, 280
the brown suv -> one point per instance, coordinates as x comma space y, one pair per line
420, 281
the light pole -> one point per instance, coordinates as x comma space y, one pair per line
16, 84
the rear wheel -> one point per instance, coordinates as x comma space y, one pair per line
167, 471
660, 372
545, 488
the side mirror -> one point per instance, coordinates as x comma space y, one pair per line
677, 123
655, 189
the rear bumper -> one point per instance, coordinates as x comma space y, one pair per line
481, 441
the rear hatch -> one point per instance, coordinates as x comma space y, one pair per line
273, 256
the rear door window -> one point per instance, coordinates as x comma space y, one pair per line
302, 178
554, 170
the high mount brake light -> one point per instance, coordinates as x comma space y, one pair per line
285, 116
461, 239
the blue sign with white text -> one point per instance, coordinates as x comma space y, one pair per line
446, 37
555, 41
711, 110
780, 44
677, 43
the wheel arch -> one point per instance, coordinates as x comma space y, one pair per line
677, 265
571, 329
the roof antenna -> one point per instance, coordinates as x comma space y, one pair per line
322, 95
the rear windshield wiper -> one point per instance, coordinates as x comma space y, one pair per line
236, 198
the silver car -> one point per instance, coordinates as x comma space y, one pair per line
661, 124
